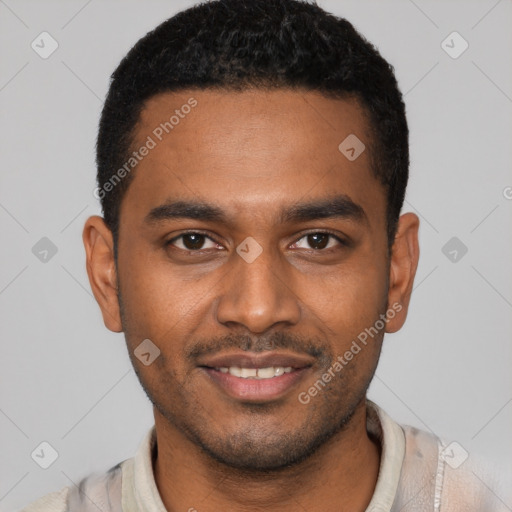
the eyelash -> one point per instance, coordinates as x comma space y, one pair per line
342, 242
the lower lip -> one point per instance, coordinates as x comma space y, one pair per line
256, 389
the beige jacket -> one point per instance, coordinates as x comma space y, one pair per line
418, 473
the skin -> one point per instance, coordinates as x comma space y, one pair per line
252, 154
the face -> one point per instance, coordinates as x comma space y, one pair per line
253, 254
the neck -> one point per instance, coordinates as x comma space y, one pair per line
341, 475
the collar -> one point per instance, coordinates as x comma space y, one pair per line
140, 493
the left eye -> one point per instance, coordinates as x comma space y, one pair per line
319, 241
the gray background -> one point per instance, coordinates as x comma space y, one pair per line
66, 380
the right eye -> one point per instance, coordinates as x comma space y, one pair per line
192, 241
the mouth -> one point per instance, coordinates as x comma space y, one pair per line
255, 373
256, 377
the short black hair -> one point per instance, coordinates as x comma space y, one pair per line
243, 44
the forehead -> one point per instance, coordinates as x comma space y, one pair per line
252, 151
265, 122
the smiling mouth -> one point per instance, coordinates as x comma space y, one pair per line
256, 377
256, 385
255, 373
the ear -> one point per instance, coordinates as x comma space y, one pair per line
101, 269
404, 262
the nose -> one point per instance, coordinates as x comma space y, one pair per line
258, 295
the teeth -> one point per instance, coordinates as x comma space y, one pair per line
245, 373
235, 370
266, 373
256, 373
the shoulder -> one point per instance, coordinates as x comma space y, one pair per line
449, 478
103, 490
53, 502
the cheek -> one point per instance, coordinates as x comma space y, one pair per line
145, 294
352, 298
158, 303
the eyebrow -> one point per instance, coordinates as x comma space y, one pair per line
340, 207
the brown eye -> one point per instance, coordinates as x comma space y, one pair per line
192, 242
319, 241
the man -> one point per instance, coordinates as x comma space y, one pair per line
252, 165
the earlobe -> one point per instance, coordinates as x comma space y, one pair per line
101, 269
402, 270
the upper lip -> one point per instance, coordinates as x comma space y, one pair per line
256, 360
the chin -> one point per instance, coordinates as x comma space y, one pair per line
263, 449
